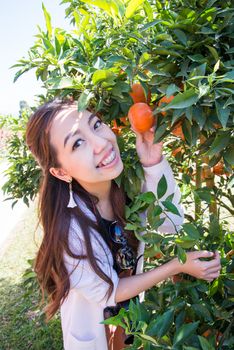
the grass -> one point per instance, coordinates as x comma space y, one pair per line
22, 321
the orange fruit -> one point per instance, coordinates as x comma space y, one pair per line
141, 117
218, 169
217, 125
116, 129
207, 333
165, 100
158, 255
138, 94
176, 279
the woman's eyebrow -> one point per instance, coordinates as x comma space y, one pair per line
72, 134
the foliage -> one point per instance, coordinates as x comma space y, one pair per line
173, 48
182, 313
187, 53
22, 173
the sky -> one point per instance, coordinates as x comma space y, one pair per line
18, 27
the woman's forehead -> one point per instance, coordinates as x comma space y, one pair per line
67, 121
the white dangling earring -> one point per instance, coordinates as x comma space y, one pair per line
71, 203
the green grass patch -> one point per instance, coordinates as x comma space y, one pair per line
22, 321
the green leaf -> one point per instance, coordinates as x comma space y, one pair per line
148, 197
214, 52
111, 7
152, 238
171, 207
102, 75
183, 100
181, 36
157, 223
204, 194
202, 310
187, 131
127, 211
205, 344
157, 210
60, 83
149, 25
153, 213
184, 332
118, 319
214, 287
162, 187
230, 182
171, 89
132, 7
228, 155
198, 71
222, 113
203, 90
148, 11
220, 143
160, 132
170, 197
131, 227
181, 254
161, 325
191, 231
148, 338
47, 20
186, 242
117, 59
197, 58
150, 252
83, 100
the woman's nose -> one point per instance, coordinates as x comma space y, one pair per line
99, 143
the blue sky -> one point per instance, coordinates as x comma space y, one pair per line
18, 25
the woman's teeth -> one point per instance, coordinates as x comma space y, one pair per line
109, 159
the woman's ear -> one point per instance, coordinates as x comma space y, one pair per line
60, 174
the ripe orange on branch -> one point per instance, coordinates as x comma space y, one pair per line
138, 94
218, 169
141, 117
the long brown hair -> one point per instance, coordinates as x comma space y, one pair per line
55, 216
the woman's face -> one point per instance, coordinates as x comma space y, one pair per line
87, 149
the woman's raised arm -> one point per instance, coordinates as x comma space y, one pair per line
129, 287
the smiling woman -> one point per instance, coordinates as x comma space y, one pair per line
86, 150
87, 263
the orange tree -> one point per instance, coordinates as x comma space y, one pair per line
171, 48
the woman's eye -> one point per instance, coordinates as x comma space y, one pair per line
77, 144
97, 124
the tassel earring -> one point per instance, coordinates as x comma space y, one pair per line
72, 203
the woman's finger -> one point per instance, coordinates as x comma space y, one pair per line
214, 276
212, 263
213, 270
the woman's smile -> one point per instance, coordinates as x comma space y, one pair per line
110, 160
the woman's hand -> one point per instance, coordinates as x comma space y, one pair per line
148, 152
206, 270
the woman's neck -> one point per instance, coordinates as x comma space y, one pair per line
105, 209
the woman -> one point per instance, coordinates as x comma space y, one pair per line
87, 265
